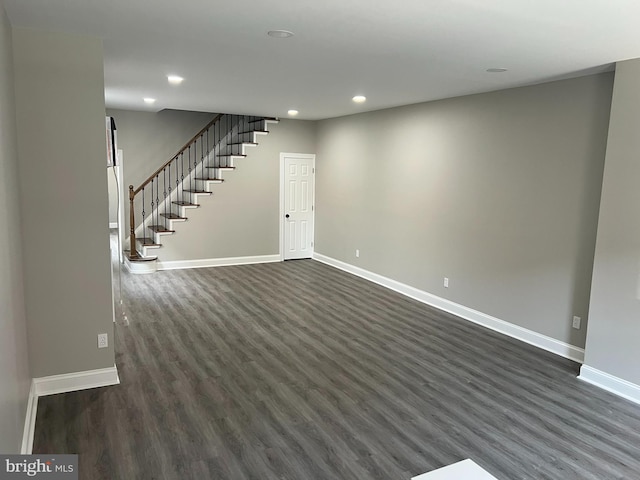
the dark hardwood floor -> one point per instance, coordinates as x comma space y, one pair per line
297, 370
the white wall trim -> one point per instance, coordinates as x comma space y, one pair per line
217, 262
113, 224
528, 336
68, 382
30, 421
71, 382
612, 384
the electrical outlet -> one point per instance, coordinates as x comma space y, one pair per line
576, 323
103, 340
446, 282
357, 253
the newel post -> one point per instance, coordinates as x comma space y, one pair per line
132, 225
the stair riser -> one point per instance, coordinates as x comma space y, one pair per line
171, 224
140, 268
183, 211
208, 185
243, 149
148, 251
197, 197
157, 238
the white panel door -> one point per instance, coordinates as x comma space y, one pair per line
298, 206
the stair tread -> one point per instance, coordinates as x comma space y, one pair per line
186, 204
253, 131
172, 216
243, 143
202, 192
210, 179
141, 259
148, 242
231, 155
160, 229
262, 120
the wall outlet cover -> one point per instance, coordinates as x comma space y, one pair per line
576, 323
103, 340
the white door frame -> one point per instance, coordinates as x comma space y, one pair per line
120, 194
122, 203
312, 157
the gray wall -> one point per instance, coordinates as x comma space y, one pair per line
14, 366
613, 340
499, 192
60, 112
148, 139
241, 218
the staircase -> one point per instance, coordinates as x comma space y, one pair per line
163, 201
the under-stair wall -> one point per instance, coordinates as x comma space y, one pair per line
241, 218
149, 138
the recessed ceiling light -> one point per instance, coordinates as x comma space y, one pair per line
280, 33
149, 100
496, 70
175, 79
359, 99
293, 113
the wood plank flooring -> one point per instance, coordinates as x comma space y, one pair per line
297, 370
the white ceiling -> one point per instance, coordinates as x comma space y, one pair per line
395, 53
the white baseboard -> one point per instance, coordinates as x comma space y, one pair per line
68, 382
29, 422
612, 384
217, 262
528, 336
71, 382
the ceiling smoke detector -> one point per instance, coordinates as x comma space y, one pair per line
280, 33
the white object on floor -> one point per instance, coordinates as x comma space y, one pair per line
464, 470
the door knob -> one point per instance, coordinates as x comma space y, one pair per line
286, 216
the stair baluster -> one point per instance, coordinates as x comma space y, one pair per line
180, 180
152, 209
132, 225
170, 204
189, 169
164, 190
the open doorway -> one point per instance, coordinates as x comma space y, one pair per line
116, 201
116, 230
